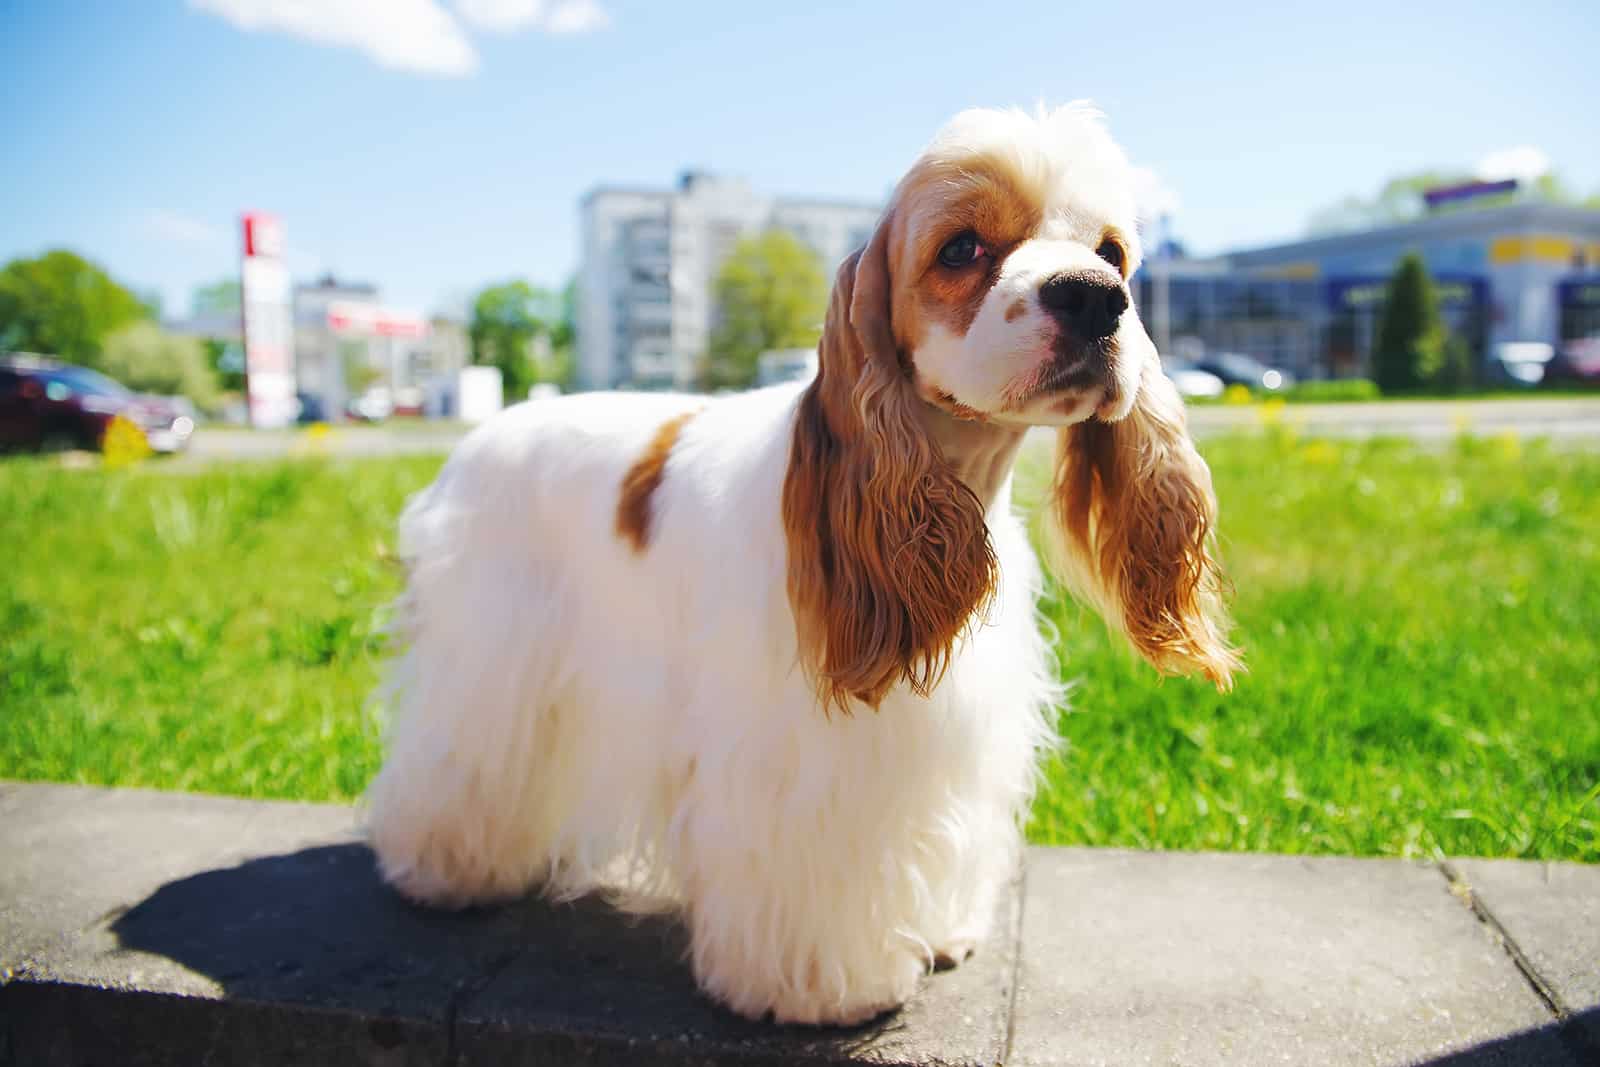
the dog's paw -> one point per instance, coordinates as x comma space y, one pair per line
868, 996
811, 1011
954, 953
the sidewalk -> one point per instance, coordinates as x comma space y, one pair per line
141, 928
1564, 419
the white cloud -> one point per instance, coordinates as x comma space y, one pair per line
411, 35
1153, 195
510, 16
501, 16
576, 16
176, 228
1524, 162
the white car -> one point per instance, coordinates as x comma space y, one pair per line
1191, 380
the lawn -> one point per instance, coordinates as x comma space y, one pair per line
1422, 629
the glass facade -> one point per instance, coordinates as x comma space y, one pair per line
1505, 275
1578, 304
1278, 321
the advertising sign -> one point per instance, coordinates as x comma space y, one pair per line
268, 324
1366, 293
349, 317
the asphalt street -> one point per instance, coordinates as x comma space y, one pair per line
1568, 420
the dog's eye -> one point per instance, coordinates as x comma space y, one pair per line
1111, 252
961, 250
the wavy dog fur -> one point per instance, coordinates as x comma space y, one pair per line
625, 630
1131, 522
889, 554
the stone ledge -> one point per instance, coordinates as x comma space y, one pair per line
150, 928
146, 927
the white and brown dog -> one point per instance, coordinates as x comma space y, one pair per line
773, 658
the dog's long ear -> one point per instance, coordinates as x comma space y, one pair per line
1130, 528
889, 555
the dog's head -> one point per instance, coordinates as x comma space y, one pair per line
994, 290
1008, 248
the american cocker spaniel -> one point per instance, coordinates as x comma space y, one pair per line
772, 658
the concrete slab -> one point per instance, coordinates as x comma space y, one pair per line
604, 990
78, 852
141, 927
1550, 912
1156, 958
201, 926
144, 928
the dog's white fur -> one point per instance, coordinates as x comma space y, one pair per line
573, 713
566, 703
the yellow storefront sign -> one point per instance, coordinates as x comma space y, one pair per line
1542, 248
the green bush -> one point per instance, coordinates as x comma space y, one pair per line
1333, 391
148, 359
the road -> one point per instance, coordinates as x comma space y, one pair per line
1572, 419
393, 439
1569, 420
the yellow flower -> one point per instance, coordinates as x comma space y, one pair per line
1321, 453
124, 443
1507, 445
1236, 394
314, 439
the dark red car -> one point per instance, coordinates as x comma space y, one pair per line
51, 406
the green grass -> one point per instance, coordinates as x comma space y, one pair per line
216, 630
1422, 629
1422, 633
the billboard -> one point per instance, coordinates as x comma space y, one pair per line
1366, 292
268, 324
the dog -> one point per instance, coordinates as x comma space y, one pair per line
773, 658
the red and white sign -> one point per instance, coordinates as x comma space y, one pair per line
263, 236
268, 324
348, 317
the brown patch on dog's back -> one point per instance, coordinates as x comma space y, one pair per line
1018, 308
642, 480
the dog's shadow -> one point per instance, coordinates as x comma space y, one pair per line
318, 927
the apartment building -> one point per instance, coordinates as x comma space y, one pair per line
649, 259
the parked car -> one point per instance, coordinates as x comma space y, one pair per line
1520, 364
374, 405
1577, 363
1191, 380
1236, 369
46, 405
311, 409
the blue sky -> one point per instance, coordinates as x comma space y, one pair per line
432, 146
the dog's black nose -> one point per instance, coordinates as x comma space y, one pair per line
1088, 303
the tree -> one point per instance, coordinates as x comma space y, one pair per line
62, 305
1409, 350
1456, 371
770, 293
146, 358
1400, 200
224, 297
508, 319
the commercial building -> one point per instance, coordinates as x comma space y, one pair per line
1511, 273
1527, 272
349, 347
650, 256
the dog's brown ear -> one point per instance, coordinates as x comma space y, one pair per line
1131, 530
889, 555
